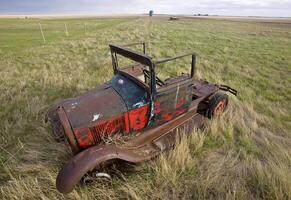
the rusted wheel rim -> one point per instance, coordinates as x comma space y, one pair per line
220, 107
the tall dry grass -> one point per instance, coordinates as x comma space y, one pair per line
245, 154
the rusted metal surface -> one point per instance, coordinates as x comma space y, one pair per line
172, 101
202, 88
68, 130
135, 104
94, 106
135, 70
228, 89
133, 55
145, 146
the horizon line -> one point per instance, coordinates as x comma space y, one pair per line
32, 14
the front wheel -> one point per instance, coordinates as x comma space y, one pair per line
217, 104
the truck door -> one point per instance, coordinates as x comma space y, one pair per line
136, 100
173, 100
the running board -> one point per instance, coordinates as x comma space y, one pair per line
144, 146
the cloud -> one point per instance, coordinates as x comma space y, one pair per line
222, 7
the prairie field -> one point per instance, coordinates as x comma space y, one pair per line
244, 154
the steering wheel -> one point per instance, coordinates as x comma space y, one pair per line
159, 81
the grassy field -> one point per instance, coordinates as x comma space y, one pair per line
245, 154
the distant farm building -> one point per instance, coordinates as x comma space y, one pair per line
173, 18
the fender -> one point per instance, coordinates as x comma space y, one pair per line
141, 148
88, 159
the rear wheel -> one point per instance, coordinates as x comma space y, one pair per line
217, 104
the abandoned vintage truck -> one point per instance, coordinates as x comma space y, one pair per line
135, 104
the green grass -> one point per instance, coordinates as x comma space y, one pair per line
18, 34
245, 154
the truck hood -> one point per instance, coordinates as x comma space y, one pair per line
101, 103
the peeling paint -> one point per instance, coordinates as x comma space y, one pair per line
120, 81
95, 117
73, 105
138, 105
177, 94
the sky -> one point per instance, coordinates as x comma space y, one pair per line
276, 8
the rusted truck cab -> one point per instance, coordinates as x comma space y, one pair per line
119, 105
122, 104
